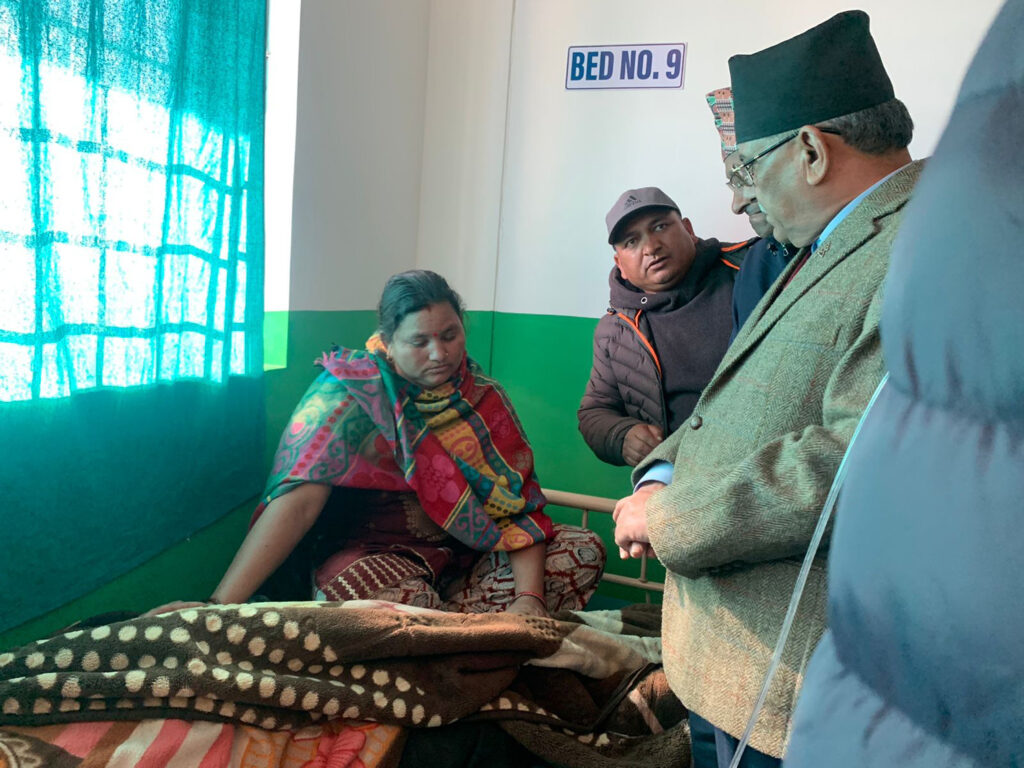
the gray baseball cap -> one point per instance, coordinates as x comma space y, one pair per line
633, 200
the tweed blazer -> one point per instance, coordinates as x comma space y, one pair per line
752, 469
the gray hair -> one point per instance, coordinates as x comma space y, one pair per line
876, 130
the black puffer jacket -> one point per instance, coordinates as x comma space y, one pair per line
655, 352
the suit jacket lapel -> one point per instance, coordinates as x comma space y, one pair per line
856, 229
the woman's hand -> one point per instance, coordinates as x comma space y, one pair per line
175, 605
527, 605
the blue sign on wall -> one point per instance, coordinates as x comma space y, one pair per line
625, 66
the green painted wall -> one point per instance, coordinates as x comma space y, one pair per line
190, 569
542, 360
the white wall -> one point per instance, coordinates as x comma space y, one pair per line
438, 133
571, 153
279, 162
359, 149
464, 144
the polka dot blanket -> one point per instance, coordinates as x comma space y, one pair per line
584, 684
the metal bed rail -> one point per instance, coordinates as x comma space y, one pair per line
588, 504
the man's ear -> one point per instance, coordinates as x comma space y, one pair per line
815, 153
688, 227
616, 257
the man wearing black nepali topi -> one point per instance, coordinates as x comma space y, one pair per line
730, 500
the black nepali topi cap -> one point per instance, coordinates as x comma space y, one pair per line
830, 70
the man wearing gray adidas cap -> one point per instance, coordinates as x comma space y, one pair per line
665, 331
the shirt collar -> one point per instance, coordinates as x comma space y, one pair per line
838, 218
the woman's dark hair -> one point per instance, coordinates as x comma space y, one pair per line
409, 292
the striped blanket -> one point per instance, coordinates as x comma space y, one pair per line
168, 743
274, 684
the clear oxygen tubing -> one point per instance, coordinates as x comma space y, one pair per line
801, 580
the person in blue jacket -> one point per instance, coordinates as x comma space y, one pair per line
763, 257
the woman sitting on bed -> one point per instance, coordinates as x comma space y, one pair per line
409, 470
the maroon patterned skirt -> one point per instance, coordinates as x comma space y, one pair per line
382, 546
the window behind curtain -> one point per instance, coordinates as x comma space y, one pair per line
123, 222
131, 290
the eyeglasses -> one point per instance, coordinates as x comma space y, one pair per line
743, 175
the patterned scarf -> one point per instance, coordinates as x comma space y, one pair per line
459, 447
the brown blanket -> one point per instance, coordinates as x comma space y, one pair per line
582, 689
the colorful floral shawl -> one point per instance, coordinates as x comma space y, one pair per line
459, 447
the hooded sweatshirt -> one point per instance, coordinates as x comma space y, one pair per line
655, 351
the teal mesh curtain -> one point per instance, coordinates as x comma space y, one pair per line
131, 283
